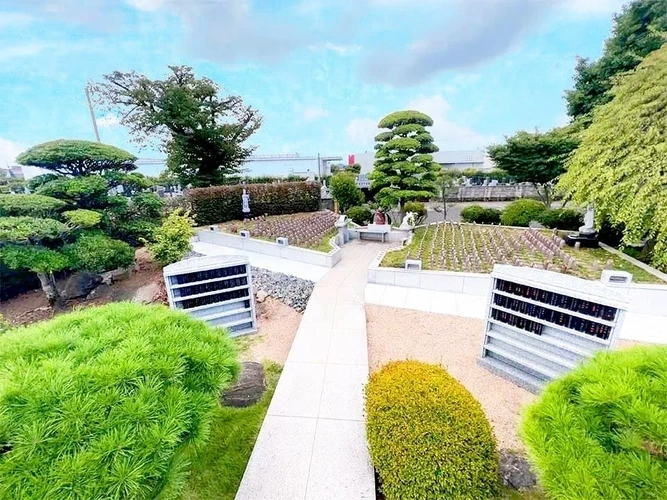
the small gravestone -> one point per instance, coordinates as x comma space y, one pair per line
248, 389
609, 265
577, 245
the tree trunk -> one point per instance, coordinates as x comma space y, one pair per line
544, 194
48, 282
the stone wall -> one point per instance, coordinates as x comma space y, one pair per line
495, 193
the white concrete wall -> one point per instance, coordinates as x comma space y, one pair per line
270, 248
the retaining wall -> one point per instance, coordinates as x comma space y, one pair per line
270, 248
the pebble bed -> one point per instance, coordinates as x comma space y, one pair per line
290, 290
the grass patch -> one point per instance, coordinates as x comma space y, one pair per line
324, 245
510, 494
217, 470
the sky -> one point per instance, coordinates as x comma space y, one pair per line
321, 72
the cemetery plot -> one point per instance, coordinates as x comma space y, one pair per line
452, 246
311, 230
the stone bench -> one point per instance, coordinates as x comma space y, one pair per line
381, 230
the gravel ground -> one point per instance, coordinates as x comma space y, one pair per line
455, 343
290, 290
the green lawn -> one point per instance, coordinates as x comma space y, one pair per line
217, 469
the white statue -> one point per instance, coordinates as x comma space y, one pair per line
245, 202
589, 221
325, 193
408, 222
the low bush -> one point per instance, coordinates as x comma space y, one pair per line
31, 229
481, 215
15, 281
108, 402
30, 205
428, 437
98, 253
522, 212
360, 215
82, 218
133, 220
172, 239
84, 192
345, 191
561, 218
217, 204
600, 432
418, 209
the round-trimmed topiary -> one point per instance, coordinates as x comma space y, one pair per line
522, 212
107, 402
360, 215
428, 437
29, 205
600, 432
481, 215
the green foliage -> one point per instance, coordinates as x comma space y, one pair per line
600, 432
84, 192
77, 158
34, 258
149, 205
621, 164
360, 215
481, 215
31, 205
30, 229
40, 180
133, 220
345, 191
15, 281
82, 218
404, 168
638, 31
538, 158
98, 253
108, 402
172, 239
132, 183
522, 212
263, 179
418, 209
223, 203
427, 436
202, 131
561, 218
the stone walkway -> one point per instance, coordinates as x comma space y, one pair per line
312, 444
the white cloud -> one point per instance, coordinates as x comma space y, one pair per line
313, 113
21, 51
361, 131
9, 150
108, 121
146, 5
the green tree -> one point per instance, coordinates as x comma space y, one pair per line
172, 239
538, 158
621, 165
404, 167
446, 180
638, 30
202, 131
78, 158
345, 191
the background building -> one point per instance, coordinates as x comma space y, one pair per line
459, 160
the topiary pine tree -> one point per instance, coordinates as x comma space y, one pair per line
404, 167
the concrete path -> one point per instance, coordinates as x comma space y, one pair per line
638, 327
312, 444
291, 267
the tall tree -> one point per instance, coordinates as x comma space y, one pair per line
538, 158
638, 30
202, 131
621, 165
78, 158
404, 167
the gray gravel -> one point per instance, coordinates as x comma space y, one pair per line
290, 290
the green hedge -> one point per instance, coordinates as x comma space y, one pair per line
217, 204
107, 403
428, 437
561, 218
522, 212
33, 229
98, 253
30, 205
360, 215
481, 215
600, 432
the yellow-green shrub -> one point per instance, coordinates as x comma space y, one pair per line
428, 437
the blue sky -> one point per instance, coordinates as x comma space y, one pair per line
322, 72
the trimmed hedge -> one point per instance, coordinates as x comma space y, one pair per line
561, 218
481, 215
600, 432
428, 437
98, 253
30, 205
360, 215
30, 229
108, 402
217, 204
522, 212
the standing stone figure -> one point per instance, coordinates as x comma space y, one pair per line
589, 221
245, 203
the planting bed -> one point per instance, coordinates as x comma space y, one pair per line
476, 248
311, 230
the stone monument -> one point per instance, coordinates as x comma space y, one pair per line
245, 203
587, 237
325, 192
380, 217
408, 222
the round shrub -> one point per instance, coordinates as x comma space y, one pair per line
360, 215
82, 218
30, 205
24, 229
561, 218
522, 212
481, 215
107, 402
428, 437
417, 208
98, 253
172, 239
600, 432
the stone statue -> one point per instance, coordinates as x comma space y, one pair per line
589, 221
245, 202
380, 217
325, 193
408, 222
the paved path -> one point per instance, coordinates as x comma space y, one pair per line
312, 444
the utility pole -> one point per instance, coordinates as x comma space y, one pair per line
92, 114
